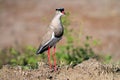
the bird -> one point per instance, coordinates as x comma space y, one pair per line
53, 34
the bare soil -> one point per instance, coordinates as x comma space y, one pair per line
87, 70
22, 23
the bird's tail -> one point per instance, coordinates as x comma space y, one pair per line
42, 49
38, 50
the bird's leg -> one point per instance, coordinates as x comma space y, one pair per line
49, 57
54, 49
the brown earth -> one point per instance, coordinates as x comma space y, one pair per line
87, 70
22, 22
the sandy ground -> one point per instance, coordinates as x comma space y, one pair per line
23, 22
87, 70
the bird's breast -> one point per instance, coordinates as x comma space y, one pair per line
59, 32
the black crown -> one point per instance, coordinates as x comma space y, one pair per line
60, 9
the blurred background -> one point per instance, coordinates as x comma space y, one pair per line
22, 22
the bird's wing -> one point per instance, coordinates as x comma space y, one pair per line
45, 41
46, 37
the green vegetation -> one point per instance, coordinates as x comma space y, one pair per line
27, 59
68, 54
106, 59
72, 55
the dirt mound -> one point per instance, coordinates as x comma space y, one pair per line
88, 70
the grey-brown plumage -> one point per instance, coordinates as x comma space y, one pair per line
54, 32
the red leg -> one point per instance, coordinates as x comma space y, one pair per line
54, 57
49, 57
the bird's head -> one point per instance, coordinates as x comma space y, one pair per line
60, 11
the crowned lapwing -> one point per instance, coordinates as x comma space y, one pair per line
52, 36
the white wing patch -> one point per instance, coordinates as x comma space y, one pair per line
51, 42
51, 38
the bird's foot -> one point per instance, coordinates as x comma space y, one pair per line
53, 68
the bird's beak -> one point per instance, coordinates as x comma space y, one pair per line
63, 12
